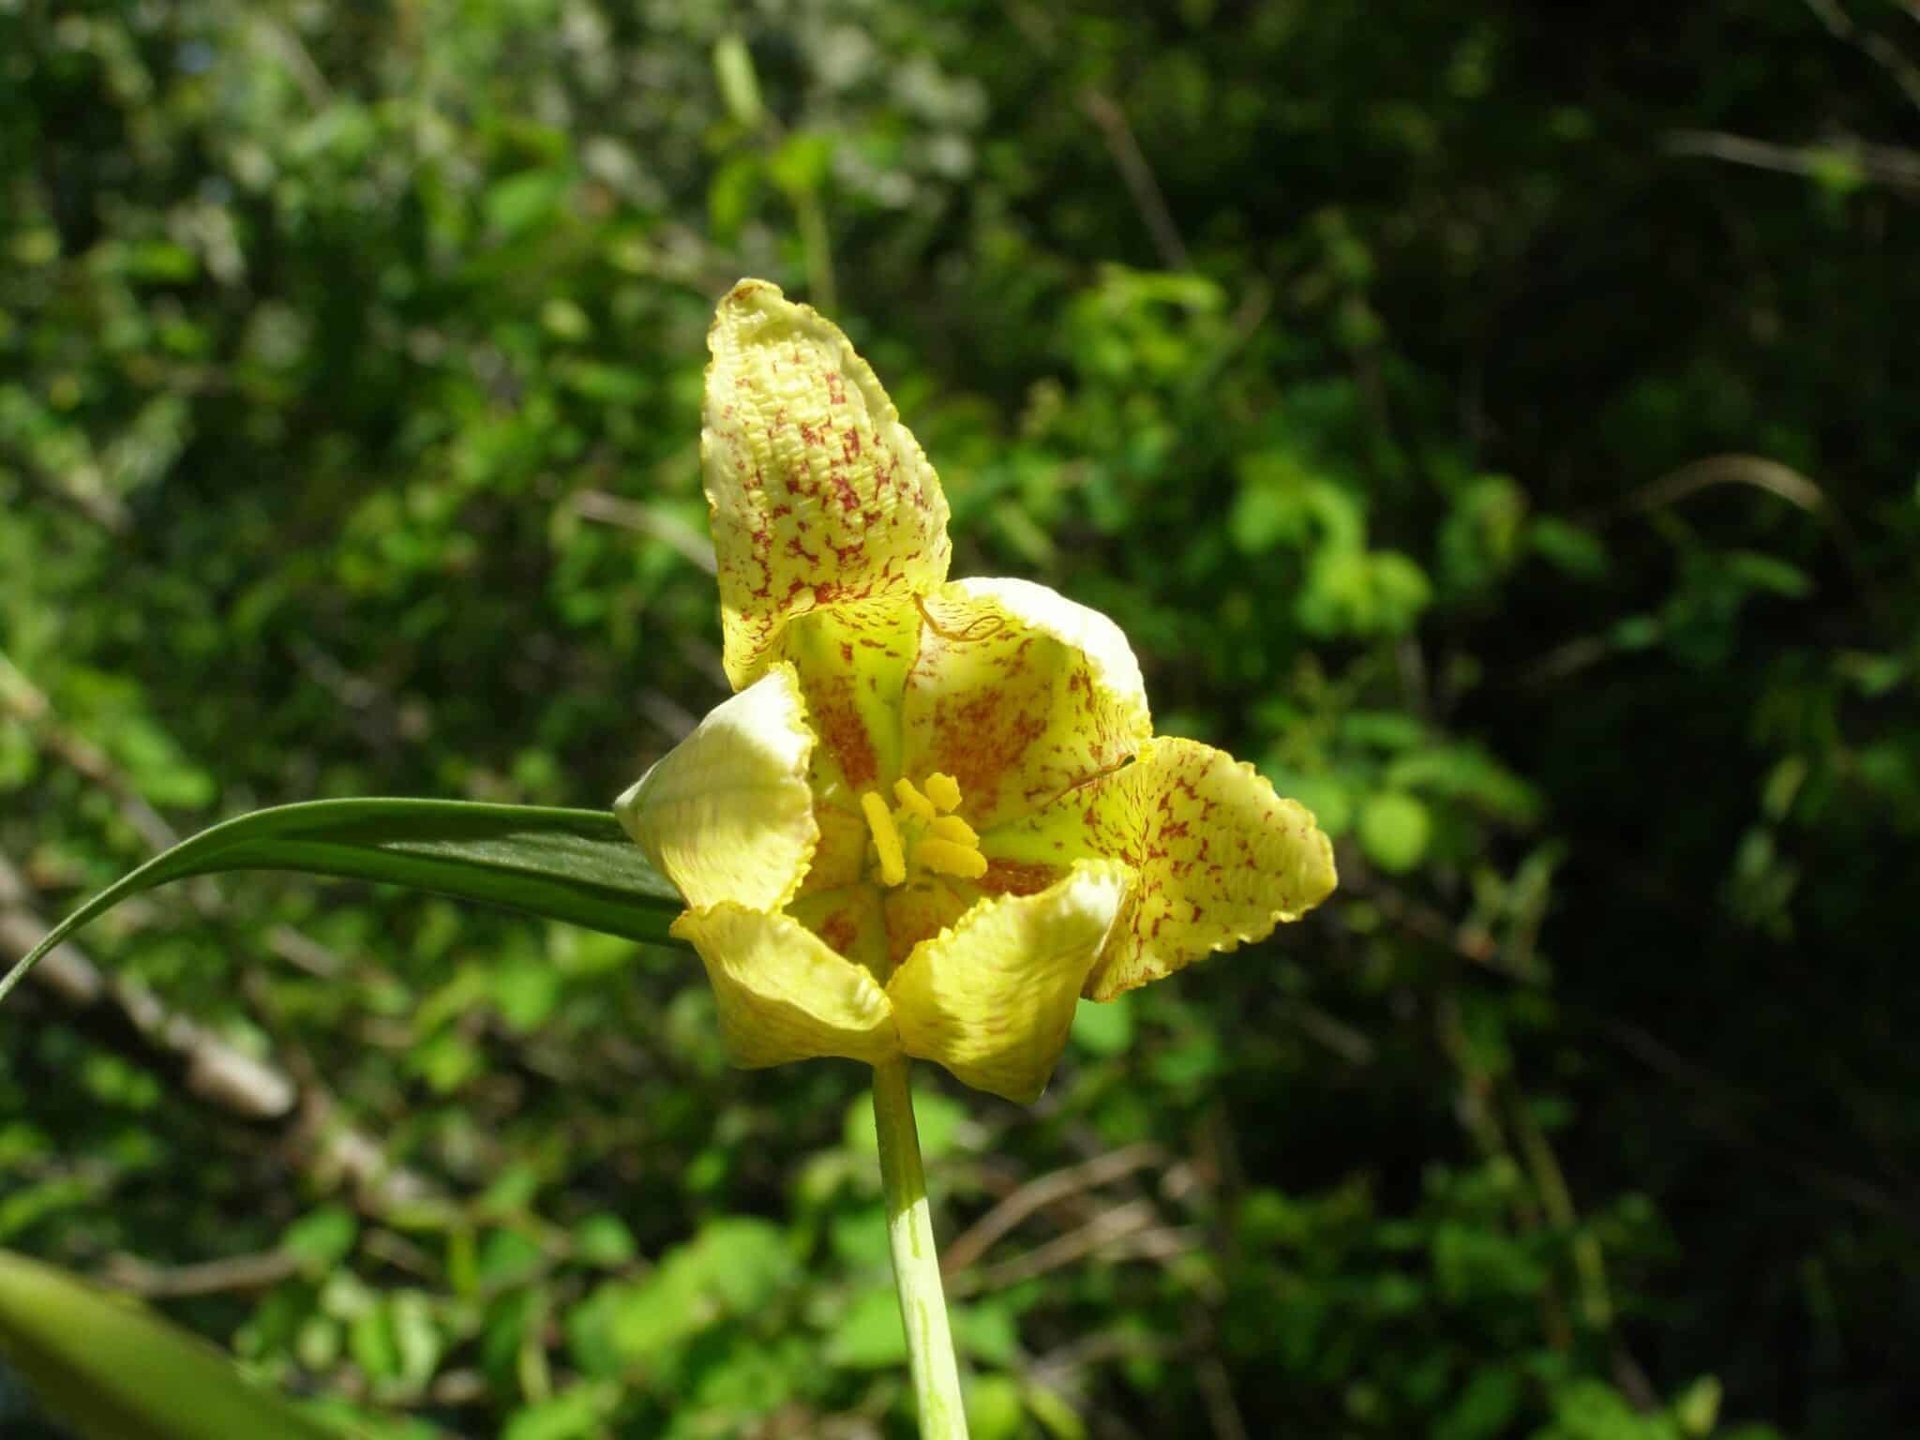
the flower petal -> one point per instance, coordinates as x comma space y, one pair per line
783, 992
726, 815
841, 856
820, 496
853, 661
920, 910
851, 921
992, 998
1019, 694
1221, 858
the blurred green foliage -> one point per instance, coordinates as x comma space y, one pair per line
1499, 423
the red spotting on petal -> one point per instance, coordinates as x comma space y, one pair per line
977, 738
833, 703
801, 441
852, 661
921, 909
1018, 877
1019, 694
849, 919
840, 930
1219, 858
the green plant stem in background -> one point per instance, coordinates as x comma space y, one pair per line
916, 1267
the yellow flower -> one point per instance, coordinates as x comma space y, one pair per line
935, 813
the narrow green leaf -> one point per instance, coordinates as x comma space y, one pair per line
116, 1371
572, 865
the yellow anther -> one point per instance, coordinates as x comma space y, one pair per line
914, 837
911, 800
947, 858
886, 838
953, 829
943, 790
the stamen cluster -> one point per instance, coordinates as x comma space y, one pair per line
921, 833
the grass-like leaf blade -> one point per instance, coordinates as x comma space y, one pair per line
114, 1369
571, 865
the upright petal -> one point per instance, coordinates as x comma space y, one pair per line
820, 496
992, 998
1221, 858
1018, 693
783, 992
726, 815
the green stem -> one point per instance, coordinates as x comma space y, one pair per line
916, 1268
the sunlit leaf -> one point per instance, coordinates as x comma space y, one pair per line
571, 865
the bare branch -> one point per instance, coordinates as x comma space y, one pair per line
231, 1275
1773, 478
1883, 164
136, 1024
610, 509
1138, 175
1131, 1230
1877, 48
27, 703
1038, 1194
1752, 470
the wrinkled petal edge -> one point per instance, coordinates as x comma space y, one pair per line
992, 997
785, 994
727, 814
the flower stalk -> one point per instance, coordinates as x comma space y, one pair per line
916, 1266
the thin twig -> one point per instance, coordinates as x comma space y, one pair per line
1469, 941
136, 1024
1138, 175
1771, 477
1053, 1368
134, 1021
27, 703
285, 45
77, 486
1755, 471
1037, 1194
1131, 1230
610, 509
1877, 48
1887, 165
1737, 1119
235, 1274
1216, 1392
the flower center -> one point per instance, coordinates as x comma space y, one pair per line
921, 834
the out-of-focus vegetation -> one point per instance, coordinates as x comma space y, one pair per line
1500, 423
114, 1370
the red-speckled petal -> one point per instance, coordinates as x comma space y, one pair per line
850, 920
820, 497
921, 909
852, 661
1221, 859
1019, 694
